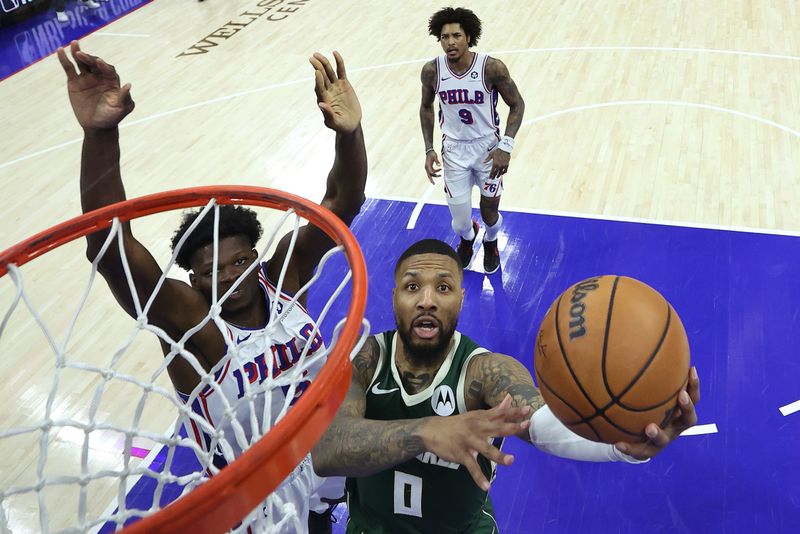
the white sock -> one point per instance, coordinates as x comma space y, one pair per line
492, 231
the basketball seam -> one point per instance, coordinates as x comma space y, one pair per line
543, 383
618, 398
654, 406
605, 339
566, 360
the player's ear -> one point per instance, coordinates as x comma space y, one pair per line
463, 294
191, 278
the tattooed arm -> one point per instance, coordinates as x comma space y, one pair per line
356, 446
497, 77
491, 376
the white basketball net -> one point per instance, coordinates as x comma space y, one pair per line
77, 488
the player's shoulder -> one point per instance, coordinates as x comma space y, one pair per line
429, 69
495, 68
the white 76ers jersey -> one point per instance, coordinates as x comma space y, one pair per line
257, 355
467, 107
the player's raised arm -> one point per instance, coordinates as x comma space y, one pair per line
100, 104
491, 377
355, 446
427, 117
344, 193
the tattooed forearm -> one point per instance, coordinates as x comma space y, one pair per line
354, 446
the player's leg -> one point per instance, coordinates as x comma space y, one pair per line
491, 190
458, 190
493, 221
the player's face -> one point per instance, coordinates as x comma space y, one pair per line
235, 256
427, 300
454, 41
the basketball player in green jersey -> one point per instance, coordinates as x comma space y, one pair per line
425, 403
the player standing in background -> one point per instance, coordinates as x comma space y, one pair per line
467, 84
241, 357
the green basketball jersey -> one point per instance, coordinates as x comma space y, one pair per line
425, 494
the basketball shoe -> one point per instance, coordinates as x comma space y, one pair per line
465, 246
491, 257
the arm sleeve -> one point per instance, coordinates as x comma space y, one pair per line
551, 436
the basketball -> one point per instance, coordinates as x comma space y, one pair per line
611, 357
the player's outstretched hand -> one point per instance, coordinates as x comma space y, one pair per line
335, 96
94, 91
461, 438
432, 165
500, 160
683, 418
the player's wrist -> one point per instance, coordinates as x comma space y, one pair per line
506, 144
429, 150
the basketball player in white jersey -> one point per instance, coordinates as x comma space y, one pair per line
241, 355
467, 84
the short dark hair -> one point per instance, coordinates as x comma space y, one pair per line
233, 220
429, 246
448, 15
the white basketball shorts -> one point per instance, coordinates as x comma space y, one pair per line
464, 167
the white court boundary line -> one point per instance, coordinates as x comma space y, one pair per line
415, 61
698, 430
790, 408
596, 216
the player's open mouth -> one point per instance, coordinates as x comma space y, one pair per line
426, 327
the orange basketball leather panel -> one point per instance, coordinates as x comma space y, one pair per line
608, 378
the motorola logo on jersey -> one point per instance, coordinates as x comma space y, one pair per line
443, 401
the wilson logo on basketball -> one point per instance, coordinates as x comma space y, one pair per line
577, 308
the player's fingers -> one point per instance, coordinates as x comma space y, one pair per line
475, 472
319, 85
125, 95
693, 389
320, 77
688, 416
340, 70
82, 59
66, 64
656, 436
506, 402
327, 66
108, 71
496, 455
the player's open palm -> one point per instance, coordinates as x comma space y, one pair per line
94, 91
335, 96
461, 438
